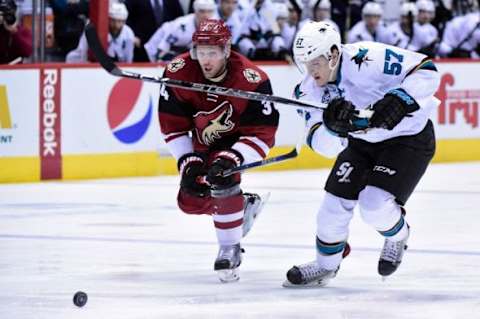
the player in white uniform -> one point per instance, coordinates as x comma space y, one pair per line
175, 37
120, 38
371, 27
407, 33
426, 13
380, 160
228, 12
260, 36
461, 37
243, 8
292, 25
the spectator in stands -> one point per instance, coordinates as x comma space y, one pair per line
281, 12
292, 25
15, 40
175, 37
426, 13
120, 38
371, 28
145, 17
407, 33
228, 12
461, 38
306, 6
69, 21
260, 37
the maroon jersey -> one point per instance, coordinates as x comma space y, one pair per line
218, 122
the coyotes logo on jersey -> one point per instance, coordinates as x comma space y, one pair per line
210, 125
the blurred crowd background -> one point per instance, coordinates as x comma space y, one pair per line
157, 30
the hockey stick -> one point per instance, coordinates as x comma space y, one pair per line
109, 65
268, 161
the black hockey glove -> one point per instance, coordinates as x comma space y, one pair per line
338, 117
390, 110
224, 160
192, 171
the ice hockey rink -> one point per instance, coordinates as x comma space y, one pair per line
124, 242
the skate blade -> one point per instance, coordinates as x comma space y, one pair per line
264, 199
228, 275
310, 285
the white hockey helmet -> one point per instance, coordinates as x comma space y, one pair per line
426, 5
316, 39
321, 4
408, 7
281, 10
118, 11
372, 9
208, 5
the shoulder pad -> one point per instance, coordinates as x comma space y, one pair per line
252, 76
176, 65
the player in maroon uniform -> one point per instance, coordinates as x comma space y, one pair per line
208, 133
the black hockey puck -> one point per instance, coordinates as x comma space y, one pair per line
80, 299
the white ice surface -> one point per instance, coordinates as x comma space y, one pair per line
124, 242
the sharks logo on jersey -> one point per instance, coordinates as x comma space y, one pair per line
361, 57
298, 93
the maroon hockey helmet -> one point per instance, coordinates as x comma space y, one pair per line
212, 32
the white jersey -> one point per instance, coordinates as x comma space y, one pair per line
464, 30
367, 71
243, 8
258, 24
234, 23
359, 32
428, 33
423, 35
120, 48
172, 38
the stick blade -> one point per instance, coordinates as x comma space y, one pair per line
97, 49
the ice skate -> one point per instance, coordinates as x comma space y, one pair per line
253, 207
391, 255
228, 260
308, 275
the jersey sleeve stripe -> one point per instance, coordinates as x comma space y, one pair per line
426, 64
311, 132
172, 136
258, 145
179, 145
